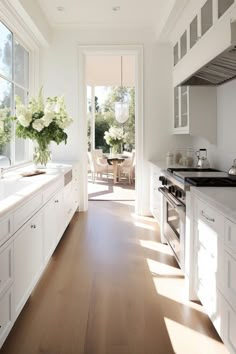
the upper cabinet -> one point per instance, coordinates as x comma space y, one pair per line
206, 17
195, 111
223, 6
202, 40
193, 31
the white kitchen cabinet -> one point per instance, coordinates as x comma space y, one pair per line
206, 16
6, 267
5, 228
223, 6
229, 327
205, 41
195, 111
28, 260
6, 314
194, 32
214, 264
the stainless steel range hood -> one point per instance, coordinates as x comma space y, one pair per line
220, 69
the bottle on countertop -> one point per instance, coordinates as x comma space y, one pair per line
169, 158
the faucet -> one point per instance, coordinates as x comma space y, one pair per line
2, 168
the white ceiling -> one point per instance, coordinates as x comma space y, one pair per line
105, 70
133, 13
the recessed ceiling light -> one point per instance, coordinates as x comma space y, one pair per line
60, 8
116, 8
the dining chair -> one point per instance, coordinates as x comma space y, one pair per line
100, 165
127, 168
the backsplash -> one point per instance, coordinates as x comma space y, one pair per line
223, 153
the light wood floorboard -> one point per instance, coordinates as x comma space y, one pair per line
111, 287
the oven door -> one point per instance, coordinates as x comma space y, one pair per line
174, 224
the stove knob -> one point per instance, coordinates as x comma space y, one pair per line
178, 194
163, 180
171, 189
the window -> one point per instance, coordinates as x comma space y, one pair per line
14, 81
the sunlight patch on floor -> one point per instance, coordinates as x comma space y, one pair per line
144, 226
187, 340
161, 269
156, 246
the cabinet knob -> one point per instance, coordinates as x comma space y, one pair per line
33, 226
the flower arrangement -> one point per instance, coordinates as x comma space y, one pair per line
115, 136
43, 123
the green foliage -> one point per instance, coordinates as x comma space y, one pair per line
105, 117
5, 134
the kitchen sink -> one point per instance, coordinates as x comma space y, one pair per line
11, 187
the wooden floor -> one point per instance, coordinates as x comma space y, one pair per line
112, 288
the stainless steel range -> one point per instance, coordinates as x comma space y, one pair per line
176, 183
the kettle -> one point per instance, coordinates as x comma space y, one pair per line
202, 161
232, 170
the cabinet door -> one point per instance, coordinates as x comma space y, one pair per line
6, 277
223, 6
184, 97
28, 260
6, 315
206, 16
230, 278
176, 108
229, 327
193, 32
50, 227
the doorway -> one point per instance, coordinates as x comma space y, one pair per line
86, 52
110, 83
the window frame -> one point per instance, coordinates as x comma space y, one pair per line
33, 55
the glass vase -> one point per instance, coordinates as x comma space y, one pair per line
42, 155
116, 149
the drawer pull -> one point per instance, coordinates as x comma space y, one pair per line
56, 201
207, 217
33, 226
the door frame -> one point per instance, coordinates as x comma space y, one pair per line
137, 51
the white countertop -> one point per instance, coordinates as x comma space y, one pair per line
221, 198
163, 165
31, 185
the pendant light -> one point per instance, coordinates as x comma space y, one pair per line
121, 107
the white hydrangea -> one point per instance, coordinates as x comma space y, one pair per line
115, 136
38, 124
48, 118
24, 118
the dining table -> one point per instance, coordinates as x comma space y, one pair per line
115, 160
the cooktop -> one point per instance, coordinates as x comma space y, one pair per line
190, 169
212, 181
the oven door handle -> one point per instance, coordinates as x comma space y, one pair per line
175, 203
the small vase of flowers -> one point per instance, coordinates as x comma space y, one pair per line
42, 123
115, 137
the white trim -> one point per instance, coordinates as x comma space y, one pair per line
137, 51
11, 19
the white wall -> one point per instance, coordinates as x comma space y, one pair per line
223, 153
60, 75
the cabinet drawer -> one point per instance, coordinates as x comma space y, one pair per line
208, 216
6, 268
26, 211
230, 279
5, 229
50, 191
6, 313
230, 235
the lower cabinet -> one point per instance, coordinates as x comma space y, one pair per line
215, 269
6, 314
28, 260
53, 224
